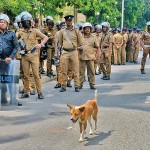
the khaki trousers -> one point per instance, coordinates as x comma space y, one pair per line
117, 55
31, 60
70, 58
50, 55
123, 54
146, 51
105, 64
90, 71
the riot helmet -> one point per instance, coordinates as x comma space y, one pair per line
4, 17
26, 21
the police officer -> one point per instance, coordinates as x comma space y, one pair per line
69, 40
146, 46
8, 50
106, 48
30, 56
87, 55
50, 31
117, 44
98, 34
135, 46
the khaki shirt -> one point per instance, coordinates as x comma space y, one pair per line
64, 39
51, 34
135, 39
146, 38
125, 37
89, 45
118, 39
107, 38
30, 37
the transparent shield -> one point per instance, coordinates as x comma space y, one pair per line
9, 80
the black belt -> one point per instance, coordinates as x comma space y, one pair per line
69, 50
104, 47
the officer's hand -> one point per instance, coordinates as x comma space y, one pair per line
38, 46
7, 60
55, 55
107, 54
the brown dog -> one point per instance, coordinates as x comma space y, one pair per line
83, 114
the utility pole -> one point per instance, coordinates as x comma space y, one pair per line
122, 18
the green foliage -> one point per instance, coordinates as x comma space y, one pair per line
137, 12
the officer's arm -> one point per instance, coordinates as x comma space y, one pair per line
79, 39
15, 46
42, 36
61, 38
110, 43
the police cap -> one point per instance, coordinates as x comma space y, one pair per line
69, 18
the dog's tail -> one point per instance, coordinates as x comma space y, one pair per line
95, 96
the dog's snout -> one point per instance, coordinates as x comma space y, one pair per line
72, 119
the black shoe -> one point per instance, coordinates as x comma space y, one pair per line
21, 92
96, 73
32, 93
19, 104
57, 86
4, 101
24, 95
62, 89
40, 96
131, 61
142, 71
77, 89
106, 78
69, 85
103, 77
81, 86
92, 87
135, 62
49, 74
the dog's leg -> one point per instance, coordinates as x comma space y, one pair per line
81, 133
95, 117
89, 120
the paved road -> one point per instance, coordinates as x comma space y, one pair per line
123, 119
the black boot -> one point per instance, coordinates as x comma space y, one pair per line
62, 89
49, 74
69, 84
92, 87
106, 78
57, 86
142, 71
77, 89
40, 96
24, 95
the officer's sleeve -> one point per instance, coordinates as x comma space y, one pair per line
79, 38
61, 38
40, 34
142, 37
15, 45
96, 43
111, 38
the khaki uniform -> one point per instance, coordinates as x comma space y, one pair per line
31, 59
86, 57
51, 47
129, 46
123, 49
69, 54
135, 48
118, 40
97, 61
146, 39
59, 67
105, 61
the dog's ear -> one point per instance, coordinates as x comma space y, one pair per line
81, 109
70, 106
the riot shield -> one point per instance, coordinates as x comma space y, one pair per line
9, 80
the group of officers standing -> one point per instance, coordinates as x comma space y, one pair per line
72, 49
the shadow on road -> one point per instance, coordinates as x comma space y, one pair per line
99, 137
13, 138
